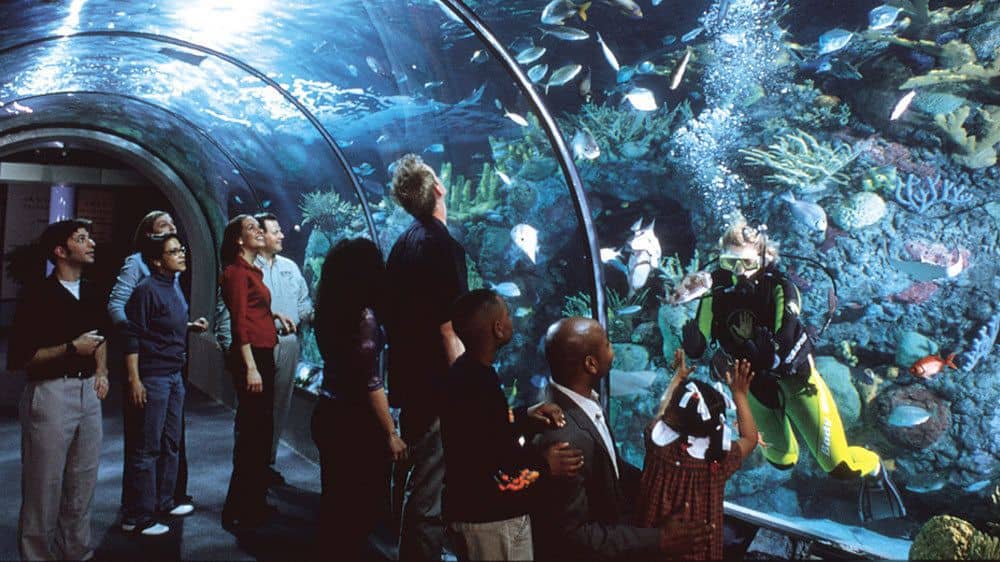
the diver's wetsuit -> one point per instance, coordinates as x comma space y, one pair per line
787, 389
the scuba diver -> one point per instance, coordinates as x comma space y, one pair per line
752, 310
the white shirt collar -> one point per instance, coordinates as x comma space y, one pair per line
589, 404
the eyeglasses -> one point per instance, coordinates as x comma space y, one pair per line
733, 263
176, 251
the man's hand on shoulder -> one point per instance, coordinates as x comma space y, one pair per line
548, 414
563, 459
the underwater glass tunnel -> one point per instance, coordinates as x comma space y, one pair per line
626, 136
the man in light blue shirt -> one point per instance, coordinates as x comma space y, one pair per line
289, 296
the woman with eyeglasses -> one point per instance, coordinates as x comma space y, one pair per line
155, 353
753, 312
254, 337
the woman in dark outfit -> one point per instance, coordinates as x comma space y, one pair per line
254, 338
352, 428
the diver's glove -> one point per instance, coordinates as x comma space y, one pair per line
761, 350
692, 341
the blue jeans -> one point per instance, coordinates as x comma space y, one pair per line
152, 456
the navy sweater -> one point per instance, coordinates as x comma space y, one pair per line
157, 326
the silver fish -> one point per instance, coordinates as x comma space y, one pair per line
436, 148
907, 415
525, 237
810, 214
376, 67
557, 12
474, 97
538, 72
902, 105
608, 55
585, 145
641, 99
530, 55
646, 254
834, 40
882, 17
679, 75
932, 486
434, 84
628, 7
507, 289
692, 35
608, 254
562, 75
691, 287
566, 33
628, 310
516, 118
646, 67
976, 486
480, 56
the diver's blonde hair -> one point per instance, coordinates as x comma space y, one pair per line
741, 234
413, 186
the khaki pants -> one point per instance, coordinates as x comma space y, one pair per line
61, 435
286, 358
509, 539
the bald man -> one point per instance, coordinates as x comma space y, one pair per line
581, 518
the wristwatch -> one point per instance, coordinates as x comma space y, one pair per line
70, 348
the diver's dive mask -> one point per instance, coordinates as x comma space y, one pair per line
744, 263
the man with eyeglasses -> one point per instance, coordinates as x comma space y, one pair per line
289, 296
56, 337
752, 312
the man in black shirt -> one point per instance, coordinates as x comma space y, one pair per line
55, 338
427, 272
488, 473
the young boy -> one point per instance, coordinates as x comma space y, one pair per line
488, 474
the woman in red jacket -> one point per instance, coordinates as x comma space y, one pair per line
254, 338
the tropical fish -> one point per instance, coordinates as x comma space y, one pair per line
585, 145
530, 55
629, 383
479, 56
810, 214
679, 74
608, 254
691, 287
376, 67
628, 310
538, 72
474, 97
436, 148
625, 74
646, 67
525, 237
692, 35
669, 40
558, 11
504, 178
522, 311
516, 118
507, 289
656, 2
585, 84
628, 7
902, 105
562, 75
641, 99
908, 415
834, 40
434, 84
608, 55
882, 17
931, 365
566, 33
838, 68
365, 169
646, 254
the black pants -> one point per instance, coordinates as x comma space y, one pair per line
354, 474
252, 447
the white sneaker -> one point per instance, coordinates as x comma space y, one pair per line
155, 529
182, 509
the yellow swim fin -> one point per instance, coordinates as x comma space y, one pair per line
582, 12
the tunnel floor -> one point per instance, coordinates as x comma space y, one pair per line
200, 536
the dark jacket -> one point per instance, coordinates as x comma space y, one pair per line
582, 518
157, 317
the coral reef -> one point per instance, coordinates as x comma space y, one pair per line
917, 194
803, 164
982, 346
624, 135
969, 79
945, 537
974, 151
879, 179
858, 211
845, 350
463, 201
327, 212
